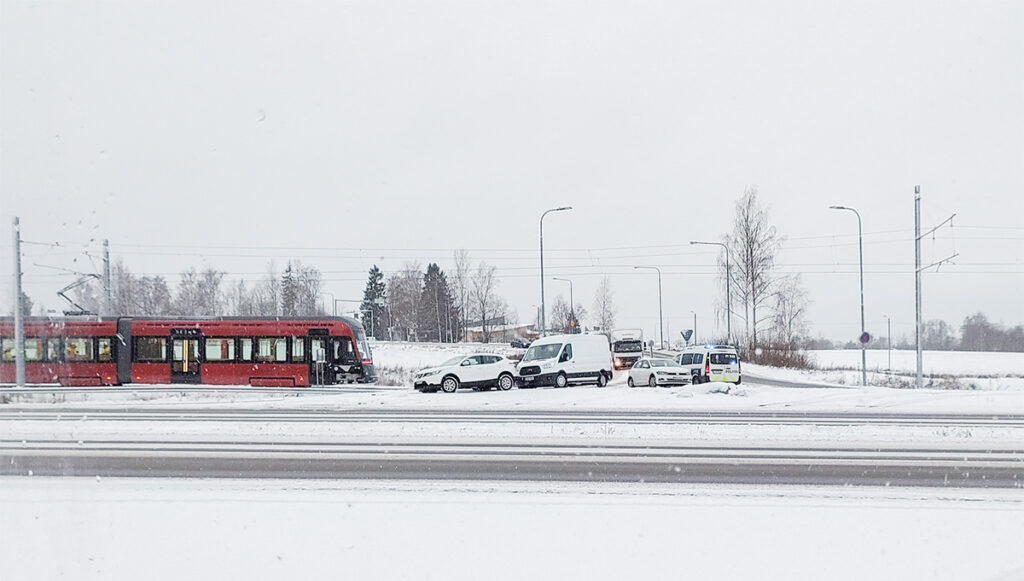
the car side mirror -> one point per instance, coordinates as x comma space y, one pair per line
466, 363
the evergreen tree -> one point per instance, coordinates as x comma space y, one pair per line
289, 292
438, 315
374, 301
26, 305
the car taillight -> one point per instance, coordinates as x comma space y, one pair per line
367, 361
707, 367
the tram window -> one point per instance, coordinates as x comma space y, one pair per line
245, 349
343, 351
104, 349
318, 349
8, 347
33, 349
150, 349
271, 350
78, 349
53, 349
298, 349
222, 349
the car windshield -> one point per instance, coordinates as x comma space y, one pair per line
452, 361
540, 352
663, 363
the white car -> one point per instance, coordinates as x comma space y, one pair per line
478, 370
655, 371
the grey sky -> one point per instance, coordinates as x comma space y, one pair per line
214, 127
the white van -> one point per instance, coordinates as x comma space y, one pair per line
711, 363
563, 359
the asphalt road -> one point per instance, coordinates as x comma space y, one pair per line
681, 464
306, 414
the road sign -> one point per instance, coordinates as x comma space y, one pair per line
865, 338
686, 334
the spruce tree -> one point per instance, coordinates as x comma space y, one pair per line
289, 294
374, 300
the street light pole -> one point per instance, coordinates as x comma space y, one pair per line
888, 341
573, 323
661, 318
863, 346
543, 323
694, 327
728, 292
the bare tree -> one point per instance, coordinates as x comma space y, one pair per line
405, 289
563, 318
198, 293
460, 285
307, 284
754, 243
789, 322
604, 306
484, 302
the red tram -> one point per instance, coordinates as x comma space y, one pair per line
265, 352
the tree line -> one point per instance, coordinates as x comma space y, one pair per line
414, 304
976, 333
292, 292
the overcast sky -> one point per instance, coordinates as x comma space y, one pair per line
344, 134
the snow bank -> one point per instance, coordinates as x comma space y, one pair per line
132, 529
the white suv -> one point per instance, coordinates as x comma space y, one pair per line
711, 363
479, 371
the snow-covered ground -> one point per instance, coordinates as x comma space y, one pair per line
942, 369
112, 529
963, 363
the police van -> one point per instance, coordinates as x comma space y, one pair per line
711, 363
559, 360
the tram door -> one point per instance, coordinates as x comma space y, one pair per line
185, 356
319, 370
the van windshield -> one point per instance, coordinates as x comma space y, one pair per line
723, 358
539, 352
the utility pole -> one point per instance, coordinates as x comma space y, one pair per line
108, 305
919, 379
918, 269
19, 321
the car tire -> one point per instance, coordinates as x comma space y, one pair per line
505, 382
652, 381
602, 380
450, 384
630, 383
561, 380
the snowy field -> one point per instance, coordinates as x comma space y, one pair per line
129, 529
942, 369
962, 363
